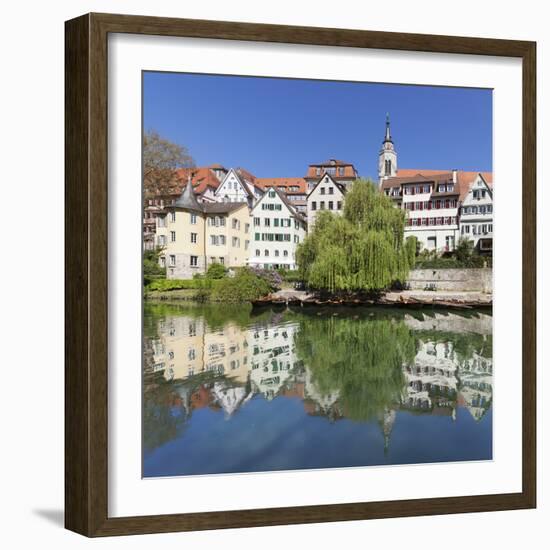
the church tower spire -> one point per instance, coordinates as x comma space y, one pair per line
387, 158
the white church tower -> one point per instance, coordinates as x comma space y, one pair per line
387, 158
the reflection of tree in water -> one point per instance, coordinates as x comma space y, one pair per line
361, 359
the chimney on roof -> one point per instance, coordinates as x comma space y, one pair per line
455, 173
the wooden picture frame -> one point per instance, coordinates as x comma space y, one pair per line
86, 283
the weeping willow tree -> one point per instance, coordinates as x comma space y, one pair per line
361, 359
363, 249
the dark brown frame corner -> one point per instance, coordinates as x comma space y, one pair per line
86, 319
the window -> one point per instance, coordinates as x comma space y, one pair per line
222, 239
256, 236
266, 252
191, 354
222, 221
162, 240
277, 253
173, 216
236, 242
267, 222
172, 236
172, 261
194, 262
257, 252
235, 224
314, 205
341, 171
490, 227
322, 190
246, 227
331, 190
214, 240
162, 260
193, 237
161, 221
222, 260
276, 222
322, 205
285, 253
246, 244
484, 228
256, 221
330, 205
193, 219
339, 205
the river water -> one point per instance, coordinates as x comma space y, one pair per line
231, 389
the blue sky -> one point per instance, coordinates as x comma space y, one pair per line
276, 127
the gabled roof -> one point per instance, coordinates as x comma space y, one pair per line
335, 183
240, 179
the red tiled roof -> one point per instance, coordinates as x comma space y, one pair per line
349, 170
201, 178
264, 183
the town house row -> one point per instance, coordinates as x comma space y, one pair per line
234, 218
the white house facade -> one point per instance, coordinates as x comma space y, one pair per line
476, 215
277, 230
235, 188
326, 195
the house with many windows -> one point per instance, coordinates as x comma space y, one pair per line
193, 235
327, 194
476, 213
277, 229
432, 199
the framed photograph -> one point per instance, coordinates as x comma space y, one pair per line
300, 275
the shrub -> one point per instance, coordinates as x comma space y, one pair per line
151, 267
180, 284
270, 276
245, 286
216, 271
290, 276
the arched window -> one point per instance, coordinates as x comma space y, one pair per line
388, 167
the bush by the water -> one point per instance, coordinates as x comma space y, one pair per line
270, 276
216, 271
245, 286
163, 285
290, 275
464, 256
151, 267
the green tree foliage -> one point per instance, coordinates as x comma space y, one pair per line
361, 250
362, 359
151, 266
464, 250
245, 286
216, 271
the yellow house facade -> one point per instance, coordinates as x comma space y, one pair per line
194, 235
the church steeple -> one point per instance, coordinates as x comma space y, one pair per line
387, 158
388, 134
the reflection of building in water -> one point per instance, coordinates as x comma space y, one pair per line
431, 379
476, 385
452, 323
321, 403
445, 374
272, 358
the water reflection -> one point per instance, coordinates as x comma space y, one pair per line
221, 388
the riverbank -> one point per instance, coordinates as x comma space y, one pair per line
416, 298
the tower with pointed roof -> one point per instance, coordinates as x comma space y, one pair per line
387, 158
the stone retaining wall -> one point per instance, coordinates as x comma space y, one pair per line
480, 280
